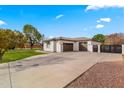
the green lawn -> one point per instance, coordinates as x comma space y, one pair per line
17, 54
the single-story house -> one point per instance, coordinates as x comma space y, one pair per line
62, 44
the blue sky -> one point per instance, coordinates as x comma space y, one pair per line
67, 21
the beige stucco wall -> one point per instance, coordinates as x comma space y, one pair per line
123, 49
51, 46
57, 46
90, 45
60, 45
76, 46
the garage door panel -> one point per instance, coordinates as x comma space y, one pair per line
67, 46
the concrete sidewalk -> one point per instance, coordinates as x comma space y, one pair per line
52, 71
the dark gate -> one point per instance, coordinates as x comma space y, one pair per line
111, 48
82, 47
95, 48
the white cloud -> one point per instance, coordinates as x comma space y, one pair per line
97, 7
104, 20
90, 7
2, 22
59, 16
99, 4
99, 26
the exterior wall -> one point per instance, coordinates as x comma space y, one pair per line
59, 47
98, 48
94, 43
89, 46
51, 47
123, 49
76, 46
98, 44
55, 46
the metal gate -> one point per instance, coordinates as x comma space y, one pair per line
82, 47
111, 48
95, 48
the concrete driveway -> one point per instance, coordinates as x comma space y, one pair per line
52, 70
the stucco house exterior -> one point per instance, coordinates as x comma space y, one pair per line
62, 44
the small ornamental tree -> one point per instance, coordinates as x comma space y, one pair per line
99, 38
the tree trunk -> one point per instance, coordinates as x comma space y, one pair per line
1, 55
31, 46
31, 43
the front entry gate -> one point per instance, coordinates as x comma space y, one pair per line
111, 48
95, 48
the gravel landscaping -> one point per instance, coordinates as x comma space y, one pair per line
102, 75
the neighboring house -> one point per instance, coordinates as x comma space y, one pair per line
62, 44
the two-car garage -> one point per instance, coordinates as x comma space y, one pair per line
70, 47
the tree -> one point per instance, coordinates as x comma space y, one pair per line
99, 38
7, 41
20, 39
32, 34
